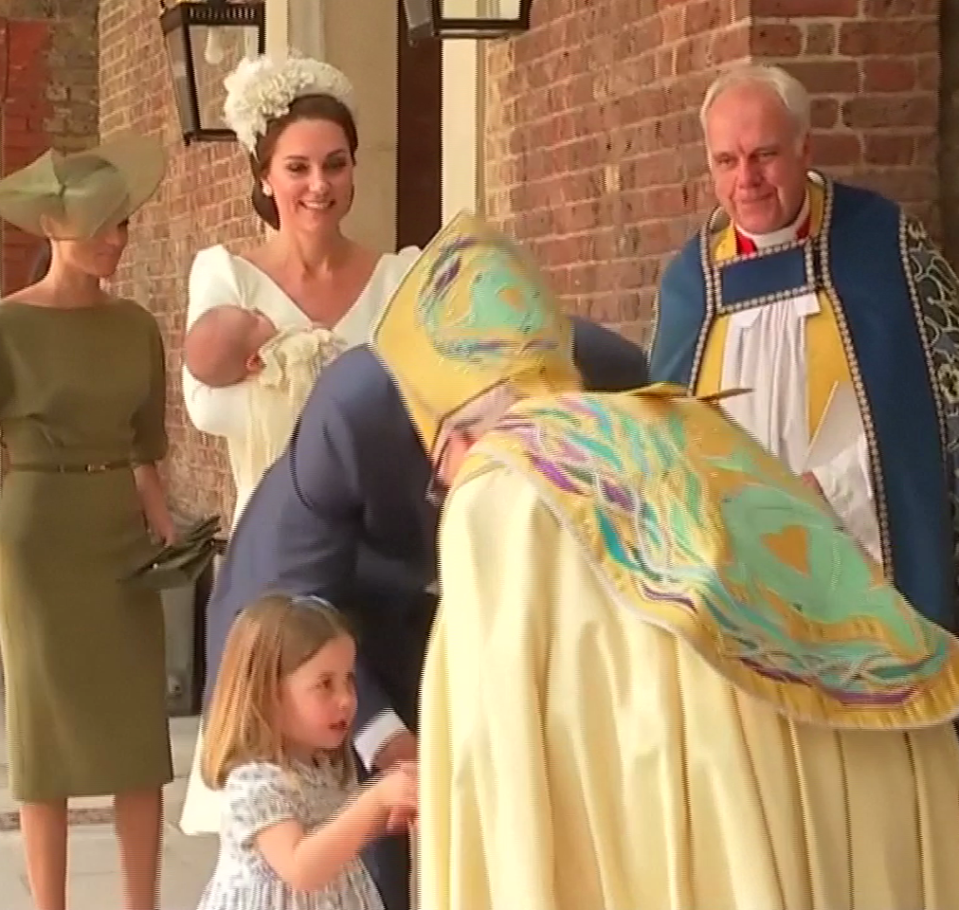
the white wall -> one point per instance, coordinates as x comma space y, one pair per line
462, 133
357, 37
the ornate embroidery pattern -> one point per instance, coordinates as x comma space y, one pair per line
935, 293
700, 530
817, 253
512, 320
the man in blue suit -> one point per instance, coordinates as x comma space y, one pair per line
347, 513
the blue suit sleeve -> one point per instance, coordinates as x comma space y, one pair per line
607, 361
680, 311
320, 530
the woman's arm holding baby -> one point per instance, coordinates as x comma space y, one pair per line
219, 412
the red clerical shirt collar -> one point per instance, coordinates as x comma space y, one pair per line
746, 245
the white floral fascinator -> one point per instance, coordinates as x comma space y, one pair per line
261, 89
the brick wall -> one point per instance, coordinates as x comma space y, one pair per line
949, 127
873, 68
48, 96
593, 150
204, 200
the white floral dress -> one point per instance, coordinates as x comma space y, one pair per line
257, 796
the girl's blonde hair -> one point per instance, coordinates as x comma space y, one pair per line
270, 639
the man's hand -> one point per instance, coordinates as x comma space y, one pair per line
400, 820
401, 747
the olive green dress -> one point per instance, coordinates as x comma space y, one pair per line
83, 652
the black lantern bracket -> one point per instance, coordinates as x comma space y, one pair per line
199, 35
433, 19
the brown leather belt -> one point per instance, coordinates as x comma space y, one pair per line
72, 468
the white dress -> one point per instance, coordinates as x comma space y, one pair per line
217, 278
292, 360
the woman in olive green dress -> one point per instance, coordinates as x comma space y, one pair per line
82, 400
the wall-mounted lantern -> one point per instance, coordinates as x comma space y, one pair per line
205, 41
446, 19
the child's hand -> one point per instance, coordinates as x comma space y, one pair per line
396, 791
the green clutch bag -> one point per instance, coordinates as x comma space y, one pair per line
181, 563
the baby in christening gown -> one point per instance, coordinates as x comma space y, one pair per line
231, 344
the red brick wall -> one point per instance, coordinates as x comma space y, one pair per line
204, 200
23, 59
949, 127
873, 68
593, 150
48, 96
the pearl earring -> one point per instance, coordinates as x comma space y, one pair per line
267, 189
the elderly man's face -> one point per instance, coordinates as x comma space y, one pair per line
757, 158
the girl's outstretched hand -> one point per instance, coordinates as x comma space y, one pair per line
396, 793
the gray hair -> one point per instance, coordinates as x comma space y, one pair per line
788, 89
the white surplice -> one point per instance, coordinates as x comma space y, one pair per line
766, 352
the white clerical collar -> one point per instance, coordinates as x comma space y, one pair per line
784, 235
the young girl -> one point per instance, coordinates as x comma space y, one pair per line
277, 744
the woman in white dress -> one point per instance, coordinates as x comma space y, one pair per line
296, 119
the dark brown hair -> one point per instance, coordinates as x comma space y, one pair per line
307, 107
41, 265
